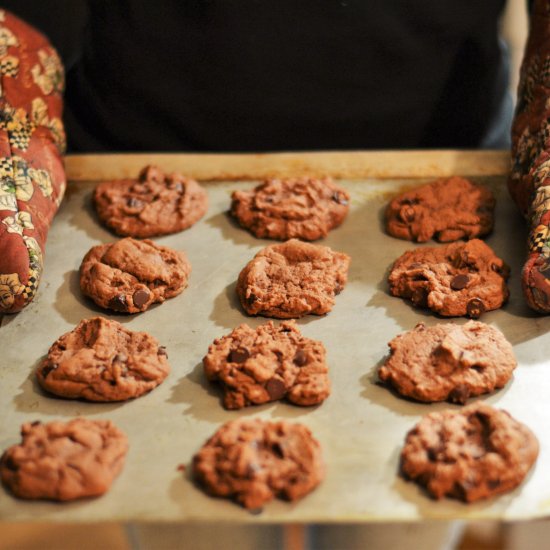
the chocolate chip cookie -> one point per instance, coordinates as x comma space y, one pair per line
64, 460
130, 275
255, 366
448, 362
100, 360
452, 280
292, 279
446, 209
154, 204
253, 461
471, 454
303, 208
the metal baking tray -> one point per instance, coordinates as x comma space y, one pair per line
361, 426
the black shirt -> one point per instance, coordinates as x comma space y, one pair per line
256, 75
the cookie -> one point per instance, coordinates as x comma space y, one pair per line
255, 366
471, 454
448, 362
100, 360
64, 460
446, 210
292, 279
154, 204
302, 208
130, 275
254, 461
452, 280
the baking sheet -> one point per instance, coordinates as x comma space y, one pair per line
361, 426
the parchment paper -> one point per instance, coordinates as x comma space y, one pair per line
361, 426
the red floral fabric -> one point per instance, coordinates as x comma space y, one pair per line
32, 140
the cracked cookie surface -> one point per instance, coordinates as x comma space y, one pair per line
448, 362
470, 454
254, 461
452, 280
64, 460
100, 360
446, 210
154, 204
256, 366
130, 275
303, 208
292, 279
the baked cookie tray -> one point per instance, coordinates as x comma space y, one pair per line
361, 426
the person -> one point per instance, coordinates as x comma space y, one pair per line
248, 75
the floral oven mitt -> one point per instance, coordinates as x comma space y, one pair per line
32, 140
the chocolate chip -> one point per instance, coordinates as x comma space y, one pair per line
140, 297
419, 296
458, 282
158, 282
340, 199
162, 351
459, 394
118, 303
121, 358
238, 355
300, 359
112, 382
132, 202
251, 299
475, 308
10, 463
407, 214
278, 450
275, 388
47, 369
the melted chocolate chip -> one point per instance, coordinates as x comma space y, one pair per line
251, 299
10, 463
275, 388
419, 296
458, 282
162, 351
140, 297
238, 355
459, 394
475, 308
300, 359
278, 450
340, 199
47, 369
118, 303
